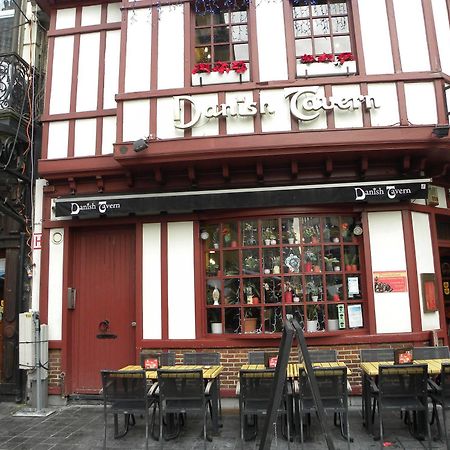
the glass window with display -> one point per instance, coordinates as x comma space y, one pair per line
258, 271
221, 49
323, 37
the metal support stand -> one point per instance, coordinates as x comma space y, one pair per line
39, 411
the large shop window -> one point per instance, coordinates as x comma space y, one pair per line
322, 37
257, 271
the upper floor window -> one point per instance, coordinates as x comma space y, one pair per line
221, 36
322, 32
8, 26
221, 40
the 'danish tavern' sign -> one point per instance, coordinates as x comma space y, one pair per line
305, 105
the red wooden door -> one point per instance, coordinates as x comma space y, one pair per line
102, 328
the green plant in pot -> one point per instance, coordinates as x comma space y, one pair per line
330, 261
312, 318
313, 290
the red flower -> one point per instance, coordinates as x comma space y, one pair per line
202, 68
238, 66
221, 67
347, 56
307, 59
325, 57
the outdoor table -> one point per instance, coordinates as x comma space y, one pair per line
369, 370
210, 373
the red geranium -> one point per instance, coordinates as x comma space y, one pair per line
239, 66
325, 57
221, 67
202, 68
347, 56
307, 59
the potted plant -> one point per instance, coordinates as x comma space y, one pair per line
312, 318
313, 290
252, 295
330, 261
310, 259
251, 264
288, 292
290, 235
308, 233
250, 321
266, 235
276, 264
212, 267
332, 322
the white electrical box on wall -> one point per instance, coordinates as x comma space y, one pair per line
27, 343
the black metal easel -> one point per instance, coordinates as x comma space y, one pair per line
291, 328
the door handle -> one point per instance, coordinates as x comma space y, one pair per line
133, 324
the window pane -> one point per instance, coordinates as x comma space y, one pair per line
202, 36
321, 9
240, 52
232, 320
339, 24
303, 46
239, 17
321, 26
338, 7
239, 33
322, 45
221, 53
273, 320
202, 20
302, 28
300, 11
221, 34
342, 44
222, 17
203, 54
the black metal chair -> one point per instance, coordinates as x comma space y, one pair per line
256, 357
332, 385
125, 392
440, 352
205, 359
440, 395
373, 355
403, 387
163, 358
256, 388
323, 355
180, 392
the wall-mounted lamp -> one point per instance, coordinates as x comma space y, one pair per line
140, 145
204, 235
441, 131
358, 230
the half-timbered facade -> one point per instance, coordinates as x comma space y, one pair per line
209, 168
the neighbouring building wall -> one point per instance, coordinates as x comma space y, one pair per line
425, 264
387, 247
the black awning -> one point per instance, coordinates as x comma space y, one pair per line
181, 202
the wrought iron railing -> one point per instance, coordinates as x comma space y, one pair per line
20, 86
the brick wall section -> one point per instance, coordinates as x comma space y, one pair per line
54, 364
233, 358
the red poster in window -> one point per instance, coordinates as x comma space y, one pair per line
151, 363
430, 295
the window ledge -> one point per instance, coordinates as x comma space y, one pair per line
322, 69
203, 79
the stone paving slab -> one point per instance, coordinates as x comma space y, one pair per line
80, 427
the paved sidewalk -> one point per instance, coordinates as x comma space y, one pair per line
80, 426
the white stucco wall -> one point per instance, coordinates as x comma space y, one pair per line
55, 283
421, 103
392, 310
271, 41
425, 264
136, 119
58, 139
442, 24
151, 281
375, 36
180, 283
111, 80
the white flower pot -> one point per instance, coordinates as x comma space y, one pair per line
296, 299
314, 298
276, 269
266, 271
291, 240
267, 241
311, 326
216, 328
333, 324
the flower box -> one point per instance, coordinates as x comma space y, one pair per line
203, 79
322, 69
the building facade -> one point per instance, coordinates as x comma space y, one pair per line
210, 168
22, 51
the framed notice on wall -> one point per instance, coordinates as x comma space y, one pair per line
429, 291
392, 281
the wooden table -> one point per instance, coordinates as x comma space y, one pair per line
369, 370
210, 373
